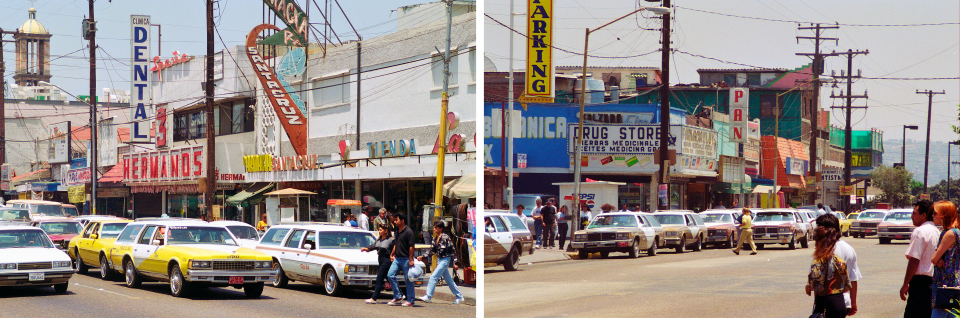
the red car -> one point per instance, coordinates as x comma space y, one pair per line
60, 231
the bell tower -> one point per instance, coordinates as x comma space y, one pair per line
32, 52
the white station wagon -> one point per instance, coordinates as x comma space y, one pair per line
29, 258
324, 254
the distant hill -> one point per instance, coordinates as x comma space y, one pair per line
915, 158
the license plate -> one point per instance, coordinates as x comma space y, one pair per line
590, 244
899, 236
36, 276
236, 280
868, 231
766, 235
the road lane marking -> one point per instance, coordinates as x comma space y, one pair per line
106, 291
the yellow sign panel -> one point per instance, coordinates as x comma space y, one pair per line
846, 190
76, 194
539, 80
861, 192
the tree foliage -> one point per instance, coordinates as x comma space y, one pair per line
895, 184
938, 192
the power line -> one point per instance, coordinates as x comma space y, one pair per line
835, 23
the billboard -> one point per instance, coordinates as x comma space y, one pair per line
540, 70
107, 143
139, 80
60, 142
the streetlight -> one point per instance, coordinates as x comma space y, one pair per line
583, 95
948, 166
903, 147
776, 141
92, 152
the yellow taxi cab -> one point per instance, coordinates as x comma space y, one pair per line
844, 222
188, 253
89, 249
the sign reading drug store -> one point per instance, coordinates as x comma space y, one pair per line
175, 164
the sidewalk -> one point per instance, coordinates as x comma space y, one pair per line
443, 295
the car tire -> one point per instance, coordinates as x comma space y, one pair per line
61, 288
759, 246
280, 280
683, 245
179, 287
583, 255
635, 249
106, 273
699, 246
331, 283
604, 254
253, 290
847, 233
131, 277
80, 267
653, 248
804, 243
512, 262
730, 241
793, 242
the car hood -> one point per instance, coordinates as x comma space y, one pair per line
58, 237
605, 230
719, 225
32, 254
897, 223
772, 223
868, 220
217, 251
672, 227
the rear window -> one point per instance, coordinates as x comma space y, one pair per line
129, 233
70, 211
274, 236
51, 210
112, 230
60, 228
516, 224
15, 215
244, 232
670, 219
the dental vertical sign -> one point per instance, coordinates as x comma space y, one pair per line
140, 82
539, 48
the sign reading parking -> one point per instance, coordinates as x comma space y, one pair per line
539, 50
140, 82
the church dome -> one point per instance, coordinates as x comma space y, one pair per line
32, 26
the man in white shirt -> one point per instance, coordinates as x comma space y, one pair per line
820, 210
623, 208
538, 222
364, 222
919, 275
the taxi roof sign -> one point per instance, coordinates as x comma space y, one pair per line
343, 202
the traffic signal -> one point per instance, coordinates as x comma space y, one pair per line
866, 183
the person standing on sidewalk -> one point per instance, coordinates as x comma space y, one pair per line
549, 214
538, 222
402, 260
383, 246
442, 247
562, 226
746, 233
946, 259
919, 275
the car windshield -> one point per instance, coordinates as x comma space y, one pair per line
669, 219
870, 215
15, 215
112, 230
199, 235
528, 204
51, 210
345, 240
717, 218
24, 238
774, 216
898, 216
613, 221
839, 215
61, 228
244, 232
70, 211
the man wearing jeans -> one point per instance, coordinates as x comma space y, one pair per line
538, 222
402, 260
549, 214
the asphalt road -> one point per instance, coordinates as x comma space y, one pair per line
88, 296
709, 283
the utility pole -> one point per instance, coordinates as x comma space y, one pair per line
664, 106
817, 69
445, 98
92, 153
508, 133
848, 135
211, 182
3, 97
926, 160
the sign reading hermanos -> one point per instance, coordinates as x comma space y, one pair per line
140, 81
293, 121
539, 50
175, 164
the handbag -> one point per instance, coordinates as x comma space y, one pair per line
947, 297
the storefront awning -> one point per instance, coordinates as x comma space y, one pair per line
254, 192
765, 189
461, 188
115, 174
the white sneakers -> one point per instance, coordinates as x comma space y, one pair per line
458, 301
424, 298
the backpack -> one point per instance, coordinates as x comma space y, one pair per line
829, 277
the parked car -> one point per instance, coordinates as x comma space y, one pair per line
682, 228
780, 226
722, 227
866, 223
15, 215
529, 202
326, 255
29, 258
60, 231
40, 209
896, 225
70, 210
92, 247
188, 253
624, 232
505, 239
853, 216
815, 209
844, 223
84, 219
247, 235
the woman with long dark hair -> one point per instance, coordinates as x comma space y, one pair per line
946, 261
834, 271
383, 246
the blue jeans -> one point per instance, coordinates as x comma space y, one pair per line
939, 313
441, 270
401, 263
538, 231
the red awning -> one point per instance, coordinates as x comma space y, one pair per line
115, 174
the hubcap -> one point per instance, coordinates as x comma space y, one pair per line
330, 281
175, 283
103, 267
276, 279
129, 273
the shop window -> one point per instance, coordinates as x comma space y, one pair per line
372, 194
473, 65
768, 105
230, 118
753, 80
437, 68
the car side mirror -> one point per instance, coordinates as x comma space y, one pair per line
93, 236
157, 242
308, 245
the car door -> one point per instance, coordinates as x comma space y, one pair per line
646, 233
294, 265
698, 223
145, 247
85, 246
308, 257
691, 227
497, 240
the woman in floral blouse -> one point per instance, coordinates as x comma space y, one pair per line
442, 247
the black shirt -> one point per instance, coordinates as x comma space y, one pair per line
404, 242
549, 214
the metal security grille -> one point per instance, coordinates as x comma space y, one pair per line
869, 224
900, 229
233, 265
39, 265
593, 237
761, 230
